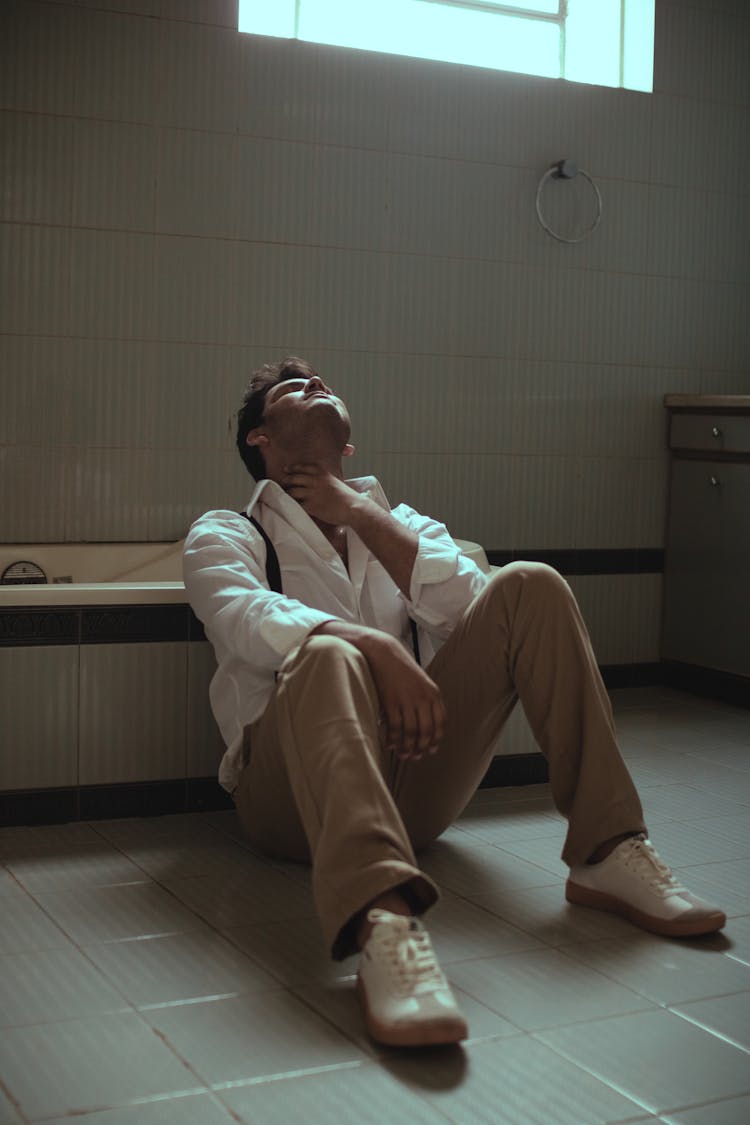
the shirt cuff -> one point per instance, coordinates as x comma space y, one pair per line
435, 562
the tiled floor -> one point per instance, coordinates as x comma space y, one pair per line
156, 971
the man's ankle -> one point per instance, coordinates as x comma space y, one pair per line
389, 900
609, 846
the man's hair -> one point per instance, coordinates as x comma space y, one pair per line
250, 413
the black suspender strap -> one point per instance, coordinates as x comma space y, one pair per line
273, 577
414, 639
273, 570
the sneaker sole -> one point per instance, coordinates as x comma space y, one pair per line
432, 1033
666, 927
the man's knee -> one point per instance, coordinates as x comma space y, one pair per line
536, 578
330, 658
324, 648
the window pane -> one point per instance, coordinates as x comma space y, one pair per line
592, 43
639, 45
435, 31
263, 18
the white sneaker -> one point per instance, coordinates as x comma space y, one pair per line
633, 881
406, 1000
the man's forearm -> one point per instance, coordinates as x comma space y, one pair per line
392, 544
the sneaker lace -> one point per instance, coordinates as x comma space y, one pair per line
645, 861
411, 958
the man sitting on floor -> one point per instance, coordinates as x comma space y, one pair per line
346, 752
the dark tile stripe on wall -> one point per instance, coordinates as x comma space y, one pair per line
39, 627
617, 560
92, 625
132, 623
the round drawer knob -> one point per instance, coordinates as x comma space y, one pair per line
715, 432
714, 482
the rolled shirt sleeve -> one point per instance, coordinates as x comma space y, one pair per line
444, 581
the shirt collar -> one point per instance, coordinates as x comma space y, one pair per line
275, 497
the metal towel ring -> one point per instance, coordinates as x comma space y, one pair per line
567, 170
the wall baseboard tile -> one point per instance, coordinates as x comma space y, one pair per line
707, 682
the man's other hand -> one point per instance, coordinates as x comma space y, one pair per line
412, 705
412, 708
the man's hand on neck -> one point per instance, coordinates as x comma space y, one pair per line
322, 493
330, 502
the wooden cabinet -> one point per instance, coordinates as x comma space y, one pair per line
706, 625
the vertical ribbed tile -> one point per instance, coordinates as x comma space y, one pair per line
681, 128
37, 45
134, 7
205, 747
311, 297
647, 592
195, 296
474, 496
725, 149
107, 498
726, 338
35, 298
198, 76
133, 705
110, 395
311, 194
223, 13
30, 732
196, 376
517, 736
329, 95
674, 321
673, 211
33, 485
197, 190
111, 284
727, 256
651, 476
34, 368
118, 63
278, 182
115, 172
36, 172
429, 404
185, 484
346, 203
455, 208
543, 403
585, 315
723, 383
550, 492
683, 37
605, 601
730, 47
609, 505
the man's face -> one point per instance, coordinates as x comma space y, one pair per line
298, 409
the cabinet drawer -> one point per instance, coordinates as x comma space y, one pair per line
719, 433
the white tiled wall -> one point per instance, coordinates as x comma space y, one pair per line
179, 203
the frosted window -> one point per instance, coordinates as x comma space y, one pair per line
607, 42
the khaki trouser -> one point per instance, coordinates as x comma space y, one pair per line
319, 787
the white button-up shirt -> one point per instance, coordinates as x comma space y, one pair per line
253, 630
